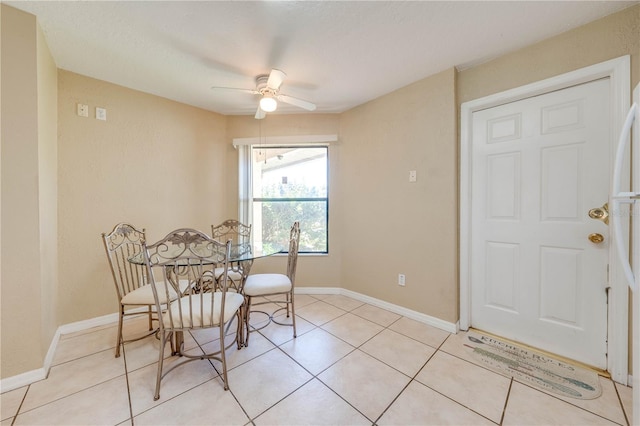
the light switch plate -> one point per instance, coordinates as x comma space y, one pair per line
101, 114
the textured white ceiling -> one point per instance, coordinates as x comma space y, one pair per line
337, 54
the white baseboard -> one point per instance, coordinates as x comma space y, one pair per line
90, 323
318, 290
24, 379
417, 316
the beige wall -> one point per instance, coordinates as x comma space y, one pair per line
162, 165
155, 163
389, 225
613, 36
29, 255
48, 186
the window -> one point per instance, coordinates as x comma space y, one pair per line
288, 184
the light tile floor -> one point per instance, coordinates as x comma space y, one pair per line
351, 364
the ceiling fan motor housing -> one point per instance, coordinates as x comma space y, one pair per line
261, 84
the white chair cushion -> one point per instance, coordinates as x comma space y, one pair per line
262, 284
144, 295
201, 305
234, 275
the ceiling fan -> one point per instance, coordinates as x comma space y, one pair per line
268, 87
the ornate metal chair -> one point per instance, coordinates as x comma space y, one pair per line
132, 289
266, 285
189, 255
238, 233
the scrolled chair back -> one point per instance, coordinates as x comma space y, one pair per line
233, 230
240, 236
122, 243
184, 260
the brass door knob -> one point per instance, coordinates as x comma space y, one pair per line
600, 213
596, 238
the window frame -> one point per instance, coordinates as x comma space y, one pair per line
246, 200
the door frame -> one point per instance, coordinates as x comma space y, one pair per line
618, 72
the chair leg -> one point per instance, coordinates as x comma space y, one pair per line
223, 357
247, 318
240, 328
293, 315
119, 338
172, 343
288, 301
150, 319
178, 337
163, 342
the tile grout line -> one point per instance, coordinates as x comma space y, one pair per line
439, 349
126, 375
15, 417
384, 327
315, 376
624, 412
506, 402
567, 402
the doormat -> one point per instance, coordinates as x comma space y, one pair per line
534, 368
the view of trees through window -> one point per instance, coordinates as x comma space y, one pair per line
290, 184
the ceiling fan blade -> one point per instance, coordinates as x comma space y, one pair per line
297, 102
275, 79
260, 114
251, 91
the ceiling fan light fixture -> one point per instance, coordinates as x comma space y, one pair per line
268, 103
268, 87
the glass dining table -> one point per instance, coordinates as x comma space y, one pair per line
240, 259
243, 252
239, 263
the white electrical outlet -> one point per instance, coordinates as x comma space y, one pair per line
413, 176
401, 279
83, 110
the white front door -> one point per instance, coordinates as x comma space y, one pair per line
539, 165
